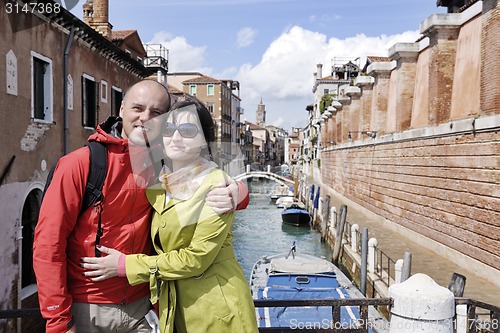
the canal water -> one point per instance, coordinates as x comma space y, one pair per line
258, 231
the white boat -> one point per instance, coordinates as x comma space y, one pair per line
286, 201
299, 276
280, 192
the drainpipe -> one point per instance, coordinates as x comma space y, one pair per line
66, 71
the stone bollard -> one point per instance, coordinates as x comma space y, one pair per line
354, 237
421, 305
398, 268
372, 244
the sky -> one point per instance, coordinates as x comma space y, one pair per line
271, 47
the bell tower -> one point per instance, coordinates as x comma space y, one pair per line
96, 15
261, 114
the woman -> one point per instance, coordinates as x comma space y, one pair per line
202, 287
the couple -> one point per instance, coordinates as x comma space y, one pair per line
193, 268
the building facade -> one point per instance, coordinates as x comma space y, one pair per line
60, 78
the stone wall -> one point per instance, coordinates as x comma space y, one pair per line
433, 166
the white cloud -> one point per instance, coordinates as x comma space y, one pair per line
245, 37
284, 76
182, 56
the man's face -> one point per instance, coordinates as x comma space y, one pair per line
143, 102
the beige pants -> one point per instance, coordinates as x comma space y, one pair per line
112, 318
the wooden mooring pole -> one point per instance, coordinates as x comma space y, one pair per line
338, 237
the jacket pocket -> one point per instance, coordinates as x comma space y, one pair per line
204, 295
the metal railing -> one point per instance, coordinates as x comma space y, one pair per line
361, 324
479, 317
385, 267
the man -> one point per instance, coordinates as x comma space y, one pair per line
69, 301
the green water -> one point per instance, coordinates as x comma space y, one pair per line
258, 231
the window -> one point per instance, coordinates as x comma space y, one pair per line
30, 212
90, 99
128, 53
104, 91
117, 97
41, 88
210, 90
210, 107
192, 89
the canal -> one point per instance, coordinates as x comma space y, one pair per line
258, 230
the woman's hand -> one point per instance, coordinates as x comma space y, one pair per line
224, 198
103, 268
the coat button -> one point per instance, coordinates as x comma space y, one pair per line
163, 224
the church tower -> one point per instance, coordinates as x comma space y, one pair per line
261, 114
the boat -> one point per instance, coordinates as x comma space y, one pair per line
296, 215
301, 276
280, 192
285, 201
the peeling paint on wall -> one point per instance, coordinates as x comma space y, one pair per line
10, 209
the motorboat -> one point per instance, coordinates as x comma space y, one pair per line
296, 215
300, 276
280, 192
286, 201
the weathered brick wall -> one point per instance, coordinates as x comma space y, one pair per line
443, 188
439, 177
490, 57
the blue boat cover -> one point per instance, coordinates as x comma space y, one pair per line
304, 317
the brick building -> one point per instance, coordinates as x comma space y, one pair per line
60, 79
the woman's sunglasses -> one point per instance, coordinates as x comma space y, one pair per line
186, 130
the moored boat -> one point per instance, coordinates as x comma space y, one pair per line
285, 201
298, 276
280, 192
296, 215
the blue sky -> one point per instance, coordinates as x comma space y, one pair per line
270, 46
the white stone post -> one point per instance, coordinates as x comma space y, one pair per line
354, 237
421, 305
398, 268
248, 168
372, 244
333, 219
268, 168
462, 322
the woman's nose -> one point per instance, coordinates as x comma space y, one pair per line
176, 136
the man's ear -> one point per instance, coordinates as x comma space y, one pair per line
121, 110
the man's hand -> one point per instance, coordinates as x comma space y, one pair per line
224, 198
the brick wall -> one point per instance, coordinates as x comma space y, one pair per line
434, 172
433, 186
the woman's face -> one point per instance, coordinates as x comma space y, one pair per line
183, 138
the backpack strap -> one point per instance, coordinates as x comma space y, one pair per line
97, 174
95, 182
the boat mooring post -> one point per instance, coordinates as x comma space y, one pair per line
364, 260
421, 305
338, 237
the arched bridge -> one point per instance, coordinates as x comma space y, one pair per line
265, 174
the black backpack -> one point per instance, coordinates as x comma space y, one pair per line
93, 190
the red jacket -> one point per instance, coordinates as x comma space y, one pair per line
62, 237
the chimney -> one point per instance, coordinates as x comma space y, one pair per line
96, 15
319, 71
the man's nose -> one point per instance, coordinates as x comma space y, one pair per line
146, 115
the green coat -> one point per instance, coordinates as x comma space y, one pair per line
202, 286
